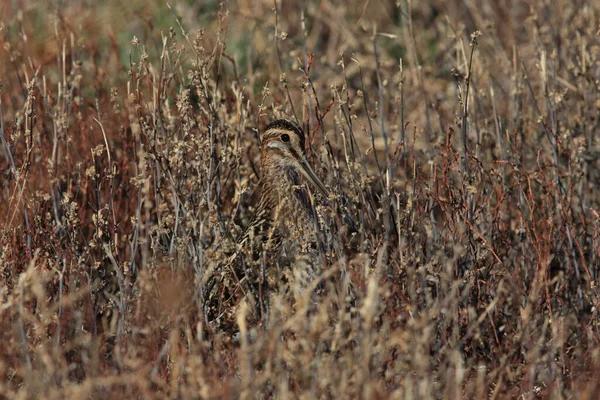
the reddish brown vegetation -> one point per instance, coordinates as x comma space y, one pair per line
128, 167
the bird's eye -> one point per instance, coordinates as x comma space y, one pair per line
285, 137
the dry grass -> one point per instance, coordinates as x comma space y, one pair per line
470, 163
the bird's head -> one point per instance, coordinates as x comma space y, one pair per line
283, 147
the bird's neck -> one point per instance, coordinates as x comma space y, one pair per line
277, 184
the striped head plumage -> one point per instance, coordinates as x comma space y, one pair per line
283, 157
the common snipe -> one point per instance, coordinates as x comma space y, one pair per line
284, 231
282, 242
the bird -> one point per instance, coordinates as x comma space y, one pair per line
283, 246
285, 229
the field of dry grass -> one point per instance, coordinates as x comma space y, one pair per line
462, 136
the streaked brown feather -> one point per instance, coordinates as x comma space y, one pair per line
281, 244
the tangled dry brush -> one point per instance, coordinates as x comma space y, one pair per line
461, 136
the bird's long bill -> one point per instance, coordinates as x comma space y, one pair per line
310, 175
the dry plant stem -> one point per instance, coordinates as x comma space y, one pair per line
402, 125
320, 115
130, 294
552, 139
389, 205
416, 64
381, 104
464, 132
280, 62
465, 111
347, 116
13, 168
5, 146
386, 203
